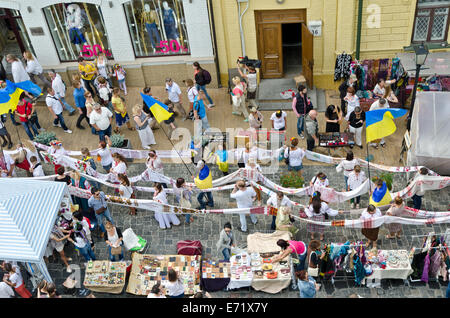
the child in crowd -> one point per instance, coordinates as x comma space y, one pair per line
104, 92
120, 73
36, 167
126, 190
121, 111
86, 157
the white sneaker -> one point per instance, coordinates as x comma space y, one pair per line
57, 125
353, 205
357, 206
303, 137
68, 269
147, 147
211, 105
41, 129
68, 131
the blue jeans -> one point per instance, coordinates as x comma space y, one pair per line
417, 200
106, 214
153, 33
188, 218
273, 226
302, 259
112, 258
300, 124
226, 254
205, 123
13, 119
89, 84
178, 296
102, 133
107, 168
447, 293
295, 168
202, 203
87, 252
60, 119
203, 88
27, 125
346, 182
67, 107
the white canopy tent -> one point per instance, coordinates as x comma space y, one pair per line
28, 211
430, 132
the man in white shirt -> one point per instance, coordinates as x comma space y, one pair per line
54, 105
244, 198
60, 90
174, 92
101, 118
18, 71
36, 167
279, 120
381, 103
277, 200
6, 291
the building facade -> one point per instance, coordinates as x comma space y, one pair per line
152, 39
276, 32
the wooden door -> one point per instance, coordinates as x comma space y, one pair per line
271, 50
307, 55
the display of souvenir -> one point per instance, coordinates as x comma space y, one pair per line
267, 267
105, 273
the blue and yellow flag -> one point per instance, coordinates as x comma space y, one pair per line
381, 196
380, 123
204, 178
158, 109
9, 96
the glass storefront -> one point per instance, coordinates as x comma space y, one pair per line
157, 27
77, 29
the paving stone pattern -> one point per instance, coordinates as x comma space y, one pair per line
207, 228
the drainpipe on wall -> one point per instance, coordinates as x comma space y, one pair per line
358, 35
240, 23
213, 29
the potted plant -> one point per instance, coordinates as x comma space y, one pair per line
45, 137
386, 177
292, 180
119, 141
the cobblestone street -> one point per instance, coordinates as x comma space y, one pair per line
207, 228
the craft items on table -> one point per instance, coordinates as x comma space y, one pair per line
386, 264
147, 270
336, 139
215, 275
105, 276
241, 271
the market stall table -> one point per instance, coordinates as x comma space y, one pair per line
388, 264
241, 271
268, 277
147, 270
105, 276
336, 139
215, 275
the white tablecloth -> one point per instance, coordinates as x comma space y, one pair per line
392, 273
234, 284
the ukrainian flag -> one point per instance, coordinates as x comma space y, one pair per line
204, 179
380, 196
221, 160
9, 96
158, 109
380, 123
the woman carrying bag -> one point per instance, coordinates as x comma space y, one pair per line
114, 240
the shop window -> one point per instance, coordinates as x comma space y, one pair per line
432, 21
157, 28
77, 30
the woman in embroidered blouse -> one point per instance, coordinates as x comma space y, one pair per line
155, 164
165, 219
316, 211
119, 165
183, 195
396, 209
348, 164
126, 190
371, 233
352, 102
320, 180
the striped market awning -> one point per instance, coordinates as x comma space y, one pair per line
28, 210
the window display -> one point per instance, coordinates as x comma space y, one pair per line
157, 27
77, 29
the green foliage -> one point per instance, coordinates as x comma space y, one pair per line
45, 137
292, 180
386, 177
117, 140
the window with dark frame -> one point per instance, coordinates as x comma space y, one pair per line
431, 21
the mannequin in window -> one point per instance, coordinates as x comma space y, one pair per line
170, 23
74, 24
150, 21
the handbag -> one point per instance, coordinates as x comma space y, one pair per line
116, 250
70, 282
185, 203
313, 272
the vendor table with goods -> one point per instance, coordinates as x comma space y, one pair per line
387, 264
336, 139
215, 275
147, 270
241, 271
269, 277
105, 276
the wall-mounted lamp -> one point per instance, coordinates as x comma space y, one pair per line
29, 9
110, 4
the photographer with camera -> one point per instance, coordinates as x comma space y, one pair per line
250, 77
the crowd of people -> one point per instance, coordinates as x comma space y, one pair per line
97, 101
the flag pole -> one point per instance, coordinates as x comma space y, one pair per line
173, 146
368, 168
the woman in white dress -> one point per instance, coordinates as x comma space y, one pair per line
347, 166
119, 166
316, 211
154, 164
163, 218
143, 121
320, 180
352, 102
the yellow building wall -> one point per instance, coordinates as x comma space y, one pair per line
339, 30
